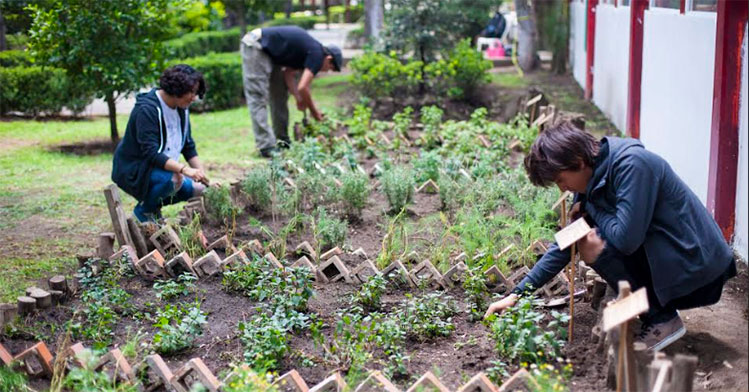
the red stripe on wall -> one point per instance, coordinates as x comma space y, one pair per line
636, 30
724, 134
590, 47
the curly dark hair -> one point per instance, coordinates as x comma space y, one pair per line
561, 147
182, 79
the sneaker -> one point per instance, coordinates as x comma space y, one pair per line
658, 336
145, 217
268, 152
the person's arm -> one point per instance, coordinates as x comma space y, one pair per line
304, 92
179, 168
636, 187
289, 77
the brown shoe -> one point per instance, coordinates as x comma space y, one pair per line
658, 336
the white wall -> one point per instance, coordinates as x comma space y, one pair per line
577, 41
677, 91
611, 66
741, 232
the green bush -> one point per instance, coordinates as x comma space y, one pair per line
203, 43
338, 13
379, 75
329, 231
36, 90
257, 186
458, 75
354, 192
15, 58
219, 205
223, 78
398, 186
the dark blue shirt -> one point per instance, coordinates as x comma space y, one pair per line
293, 47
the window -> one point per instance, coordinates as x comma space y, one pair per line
675, 4
705, 5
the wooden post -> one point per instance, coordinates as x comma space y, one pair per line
619, 315
682, 374
140, 242
118, 216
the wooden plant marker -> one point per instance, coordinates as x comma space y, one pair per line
572, 233
571, 271
620, 314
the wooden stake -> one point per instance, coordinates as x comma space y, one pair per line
570, 270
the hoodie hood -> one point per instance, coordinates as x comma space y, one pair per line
610, 149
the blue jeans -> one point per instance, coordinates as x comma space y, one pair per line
160, 193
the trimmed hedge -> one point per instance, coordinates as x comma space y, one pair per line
14, 58
39, 90
223, 77
305, 22
202, 43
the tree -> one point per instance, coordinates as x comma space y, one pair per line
111, 48
428, 26
373, 18
527, 57
3, 45
241, 7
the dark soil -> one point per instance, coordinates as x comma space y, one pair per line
92, 147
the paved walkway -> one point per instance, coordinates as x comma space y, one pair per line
335, 34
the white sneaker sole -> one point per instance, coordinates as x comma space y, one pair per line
676, 335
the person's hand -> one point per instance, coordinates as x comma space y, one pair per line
501, 305
195, 174
590, 247
300, 104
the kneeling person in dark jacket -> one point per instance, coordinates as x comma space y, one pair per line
146, 162
651, 230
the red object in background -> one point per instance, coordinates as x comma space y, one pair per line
636, 21
590, 47
724, 135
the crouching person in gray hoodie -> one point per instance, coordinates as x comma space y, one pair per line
146, 162
651, 230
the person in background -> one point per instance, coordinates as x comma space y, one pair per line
146, 162
271, 59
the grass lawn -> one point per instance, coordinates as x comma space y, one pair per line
51, 204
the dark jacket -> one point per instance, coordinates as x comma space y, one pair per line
142, 147
636, 199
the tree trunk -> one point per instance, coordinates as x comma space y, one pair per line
527, 58
347, 11
326, 9
241, 11
287, 8
373, 18
112, 119
3, 43
561, 44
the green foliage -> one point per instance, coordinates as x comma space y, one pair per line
199, 15
370, 293
223, 77
398, 187
244, 379
329, 231
354, 192
178, 326
427, 166
305, 22
189, 236
103, 302
520, 337
110, 48
402, 121
35, 90
257, 186
219, 205
548, 377
426, 27
431, 117
12, 381
474, 285
172, 288
458, 75
86, 378
265, 342
378, 75
428, 316
15, 58
352, 340
202, 43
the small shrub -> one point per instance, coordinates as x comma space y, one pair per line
305, 22
265, 342
257, 186
398, 187
378, 75
354, 192
474, 285
428, 316
34, 90
329, 231
223, 77
427, 166
370, 293
402, 121
189, 237
12, 381
218, 204
202, 43
178, 327
245, 379
431, 117
15, 58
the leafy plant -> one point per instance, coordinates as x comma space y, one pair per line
189, 236
244, 379
219, 205
173, 288
12, 381
398, 187
402, 121
257, 186
427, 166
354, 192
428, 316
265, 342
86, 378
328, 230
474, 285
519, 335
370, 293
547, 377
391, 337
350, 345
178, 327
